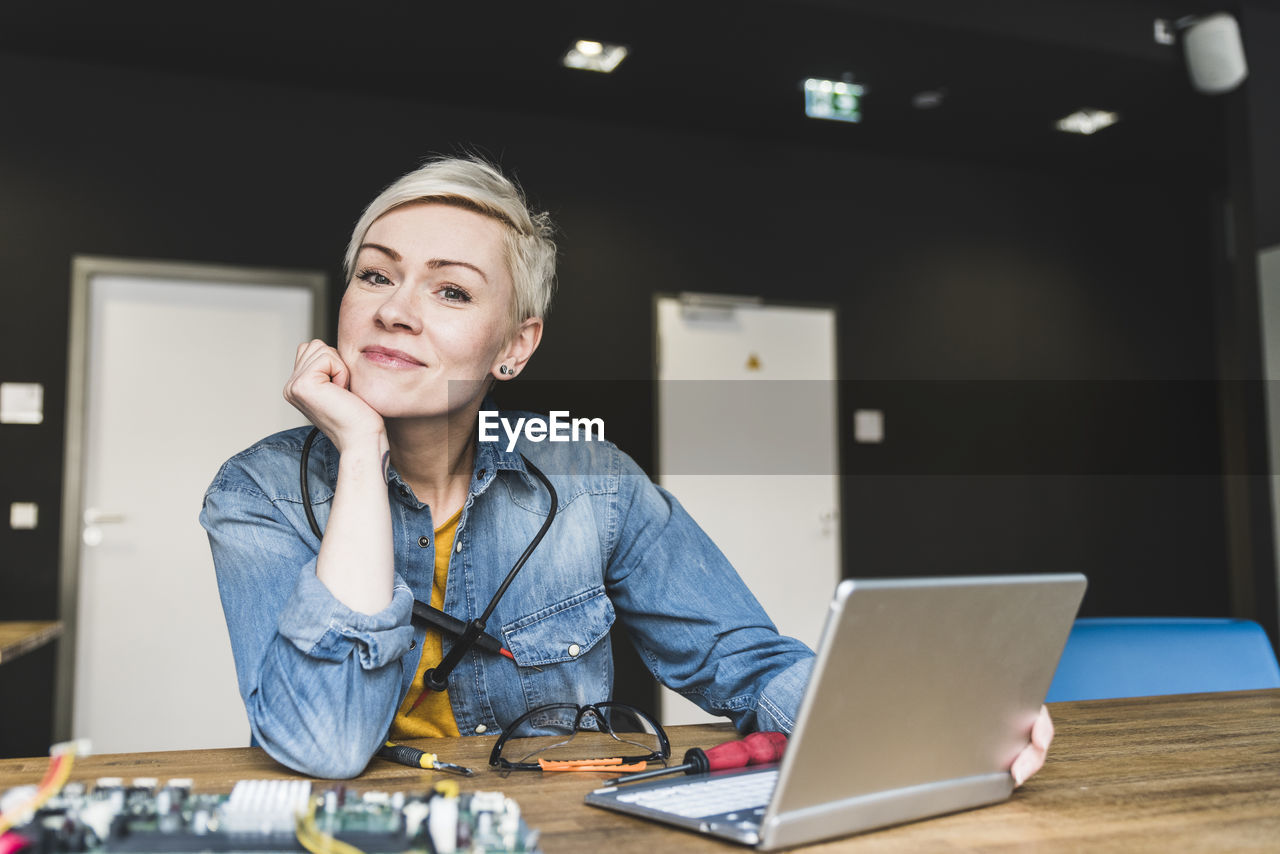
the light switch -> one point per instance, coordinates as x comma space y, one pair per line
23, 515
21, 403
868, 426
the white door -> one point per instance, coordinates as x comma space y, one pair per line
181, 369
1269, 297
747, 442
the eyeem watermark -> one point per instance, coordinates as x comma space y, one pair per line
556, 427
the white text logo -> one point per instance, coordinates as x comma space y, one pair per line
557, 427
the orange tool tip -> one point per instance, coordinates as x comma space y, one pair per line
610, 765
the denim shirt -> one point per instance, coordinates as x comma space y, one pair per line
321, 682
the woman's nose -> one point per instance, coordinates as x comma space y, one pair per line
399, 311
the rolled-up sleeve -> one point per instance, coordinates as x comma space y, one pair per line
323, 628
320, 682
693, 620
779, 702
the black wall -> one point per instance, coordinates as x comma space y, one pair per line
975, 275
1260, 29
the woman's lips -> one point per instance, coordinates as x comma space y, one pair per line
389, 358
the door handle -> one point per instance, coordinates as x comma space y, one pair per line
94, 516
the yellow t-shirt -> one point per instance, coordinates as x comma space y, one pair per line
433, 717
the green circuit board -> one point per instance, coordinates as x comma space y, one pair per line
270, 816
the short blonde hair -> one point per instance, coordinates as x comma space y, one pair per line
473, 184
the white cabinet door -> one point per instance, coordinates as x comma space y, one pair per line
747, 442
179, 373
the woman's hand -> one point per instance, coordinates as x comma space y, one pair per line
1031, 759
318, 388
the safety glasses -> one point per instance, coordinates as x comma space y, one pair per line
560, 734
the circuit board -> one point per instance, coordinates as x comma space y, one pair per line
269, 816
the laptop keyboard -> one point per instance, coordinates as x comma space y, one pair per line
703, 798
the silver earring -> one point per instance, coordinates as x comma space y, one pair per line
504, 370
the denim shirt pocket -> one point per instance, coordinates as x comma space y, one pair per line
564, 642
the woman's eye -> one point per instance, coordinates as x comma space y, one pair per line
373, 277
453, 294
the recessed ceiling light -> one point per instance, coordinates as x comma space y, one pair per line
928, 99
1087, 121
839, 100
594, 56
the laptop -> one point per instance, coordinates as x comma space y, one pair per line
923, 692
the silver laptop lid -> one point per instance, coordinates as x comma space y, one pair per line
923, 692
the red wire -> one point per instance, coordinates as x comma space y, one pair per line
416, 703
55, 763
11, 843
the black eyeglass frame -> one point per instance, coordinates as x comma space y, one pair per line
662, 754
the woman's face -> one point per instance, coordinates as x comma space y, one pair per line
426, 318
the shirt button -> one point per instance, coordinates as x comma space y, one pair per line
413, 643
574, 649
424, 541
459, 548
482, 471
481, 728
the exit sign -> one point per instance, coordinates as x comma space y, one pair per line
832, 99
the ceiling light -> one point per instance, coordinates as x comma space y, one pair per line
1087, 121
594, 56
928, 99
838, 100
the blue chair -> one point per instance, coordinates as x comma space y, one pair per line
1142, 657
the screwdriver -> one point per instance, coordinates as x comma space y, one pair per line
415, 758
756, 749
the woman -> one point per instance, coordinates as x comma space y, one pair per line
448, 279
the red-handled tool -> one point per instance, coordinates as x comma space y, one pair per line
756, 749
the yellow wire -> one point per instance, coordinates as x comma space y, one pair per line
7, 820
311, 838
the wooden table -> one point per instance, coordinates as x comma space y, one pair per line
17, 638
1197, 772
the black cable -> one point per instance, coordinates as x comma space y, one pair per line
533, 544
437, 678
306, 490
